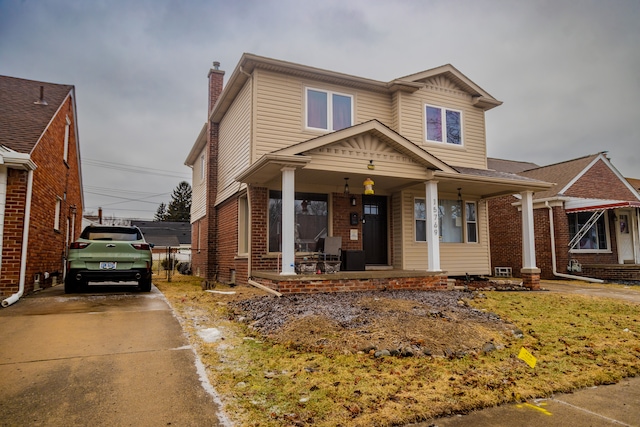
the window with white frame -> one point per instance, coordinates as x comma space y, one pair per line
456, 224
328, 110
56, 218
443, 125
243, 225
311, 220
67, 130
595, 239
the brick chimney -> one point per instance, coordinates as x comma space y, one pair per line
216, 78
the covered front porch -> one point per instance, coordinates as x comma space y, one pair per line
422, 218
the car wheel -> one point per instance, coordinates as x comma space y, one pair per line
144, 285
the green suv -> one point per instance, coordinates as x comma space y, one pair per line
108, 254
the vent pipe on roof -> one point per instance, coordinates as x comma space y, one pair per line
41, 101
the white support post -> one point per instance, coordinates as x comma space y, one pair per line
433, 232
528, 236
288, 221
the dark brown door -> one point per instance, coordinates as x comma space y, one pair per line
374, 229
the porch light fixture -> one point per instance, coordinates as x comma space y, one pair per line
368, 186
353, 200
459, 195
346, 186
371, 166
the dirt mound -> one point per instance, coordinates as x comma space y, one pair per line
408, 323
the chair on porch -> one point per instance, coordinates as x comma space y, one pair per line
329, 256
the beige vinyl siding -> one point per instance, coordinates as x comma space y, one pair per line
280, 110
397, 220
455, 258
199, 187
412, 125
235, 140
355, 153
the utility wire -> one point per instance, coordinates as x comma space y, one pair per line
135, 169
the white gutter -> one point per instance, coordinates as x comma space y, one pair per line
25, 244
553, 253
3, 200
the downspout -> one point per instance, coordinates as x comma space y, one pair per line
25, 244
553, 253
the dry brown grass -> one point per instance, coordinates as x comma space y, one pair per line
578, 341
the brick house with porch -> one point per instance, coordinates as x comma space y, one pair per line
41, 197
587, 226
397, 171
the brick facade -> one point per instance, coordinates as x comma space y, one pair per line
505, 222
53, 180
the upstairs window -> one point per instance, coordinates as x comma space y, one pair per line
443, 125
329, 111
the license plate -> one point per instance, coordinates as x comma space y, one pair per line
107, 265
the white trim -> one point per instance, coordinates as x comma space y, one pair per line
329, 94
433, 232
443, 118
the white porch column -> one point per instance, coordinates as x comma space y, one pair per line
433, 234
288, 221
528, 236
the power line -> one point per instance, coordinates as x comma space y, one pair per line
135, 169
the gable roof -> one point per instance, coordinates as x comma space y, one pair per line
249, 62
24, 116
509, 166
165, 233
481, 98
566, 174
388, 135
635, 183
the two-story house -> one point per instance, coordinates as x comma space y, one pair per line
397, 170
40, 184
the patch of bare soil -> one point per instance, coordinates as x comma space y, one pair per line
406, 323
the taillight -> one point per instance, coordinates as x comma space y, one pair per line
78, 245
141, 246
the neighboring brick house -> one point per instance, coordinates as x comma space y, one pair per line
41, 197
396, 170
587, 225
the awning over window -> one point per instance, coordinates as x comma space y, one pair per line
584, 205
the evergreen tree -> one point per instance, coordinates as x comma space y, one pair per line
179, 208
161, 213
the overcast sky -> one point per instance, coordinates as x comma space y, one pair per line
568, 72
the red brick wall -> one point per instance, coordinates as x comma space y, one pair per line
291, 285
228, 235
601, 183
505, 233
259, 201
52, 178
341, 220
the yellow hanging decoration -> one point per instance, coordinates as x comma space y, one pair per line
368, 186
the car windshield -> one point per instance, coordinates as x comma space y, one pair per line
120, 234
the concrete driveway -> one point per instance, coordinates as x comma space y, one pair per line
114, 358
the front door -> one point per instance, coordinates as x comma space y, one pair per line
624, 233
374, 230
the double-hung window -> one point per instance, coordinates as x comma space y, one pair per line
443, 125
328, 110
457, 221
